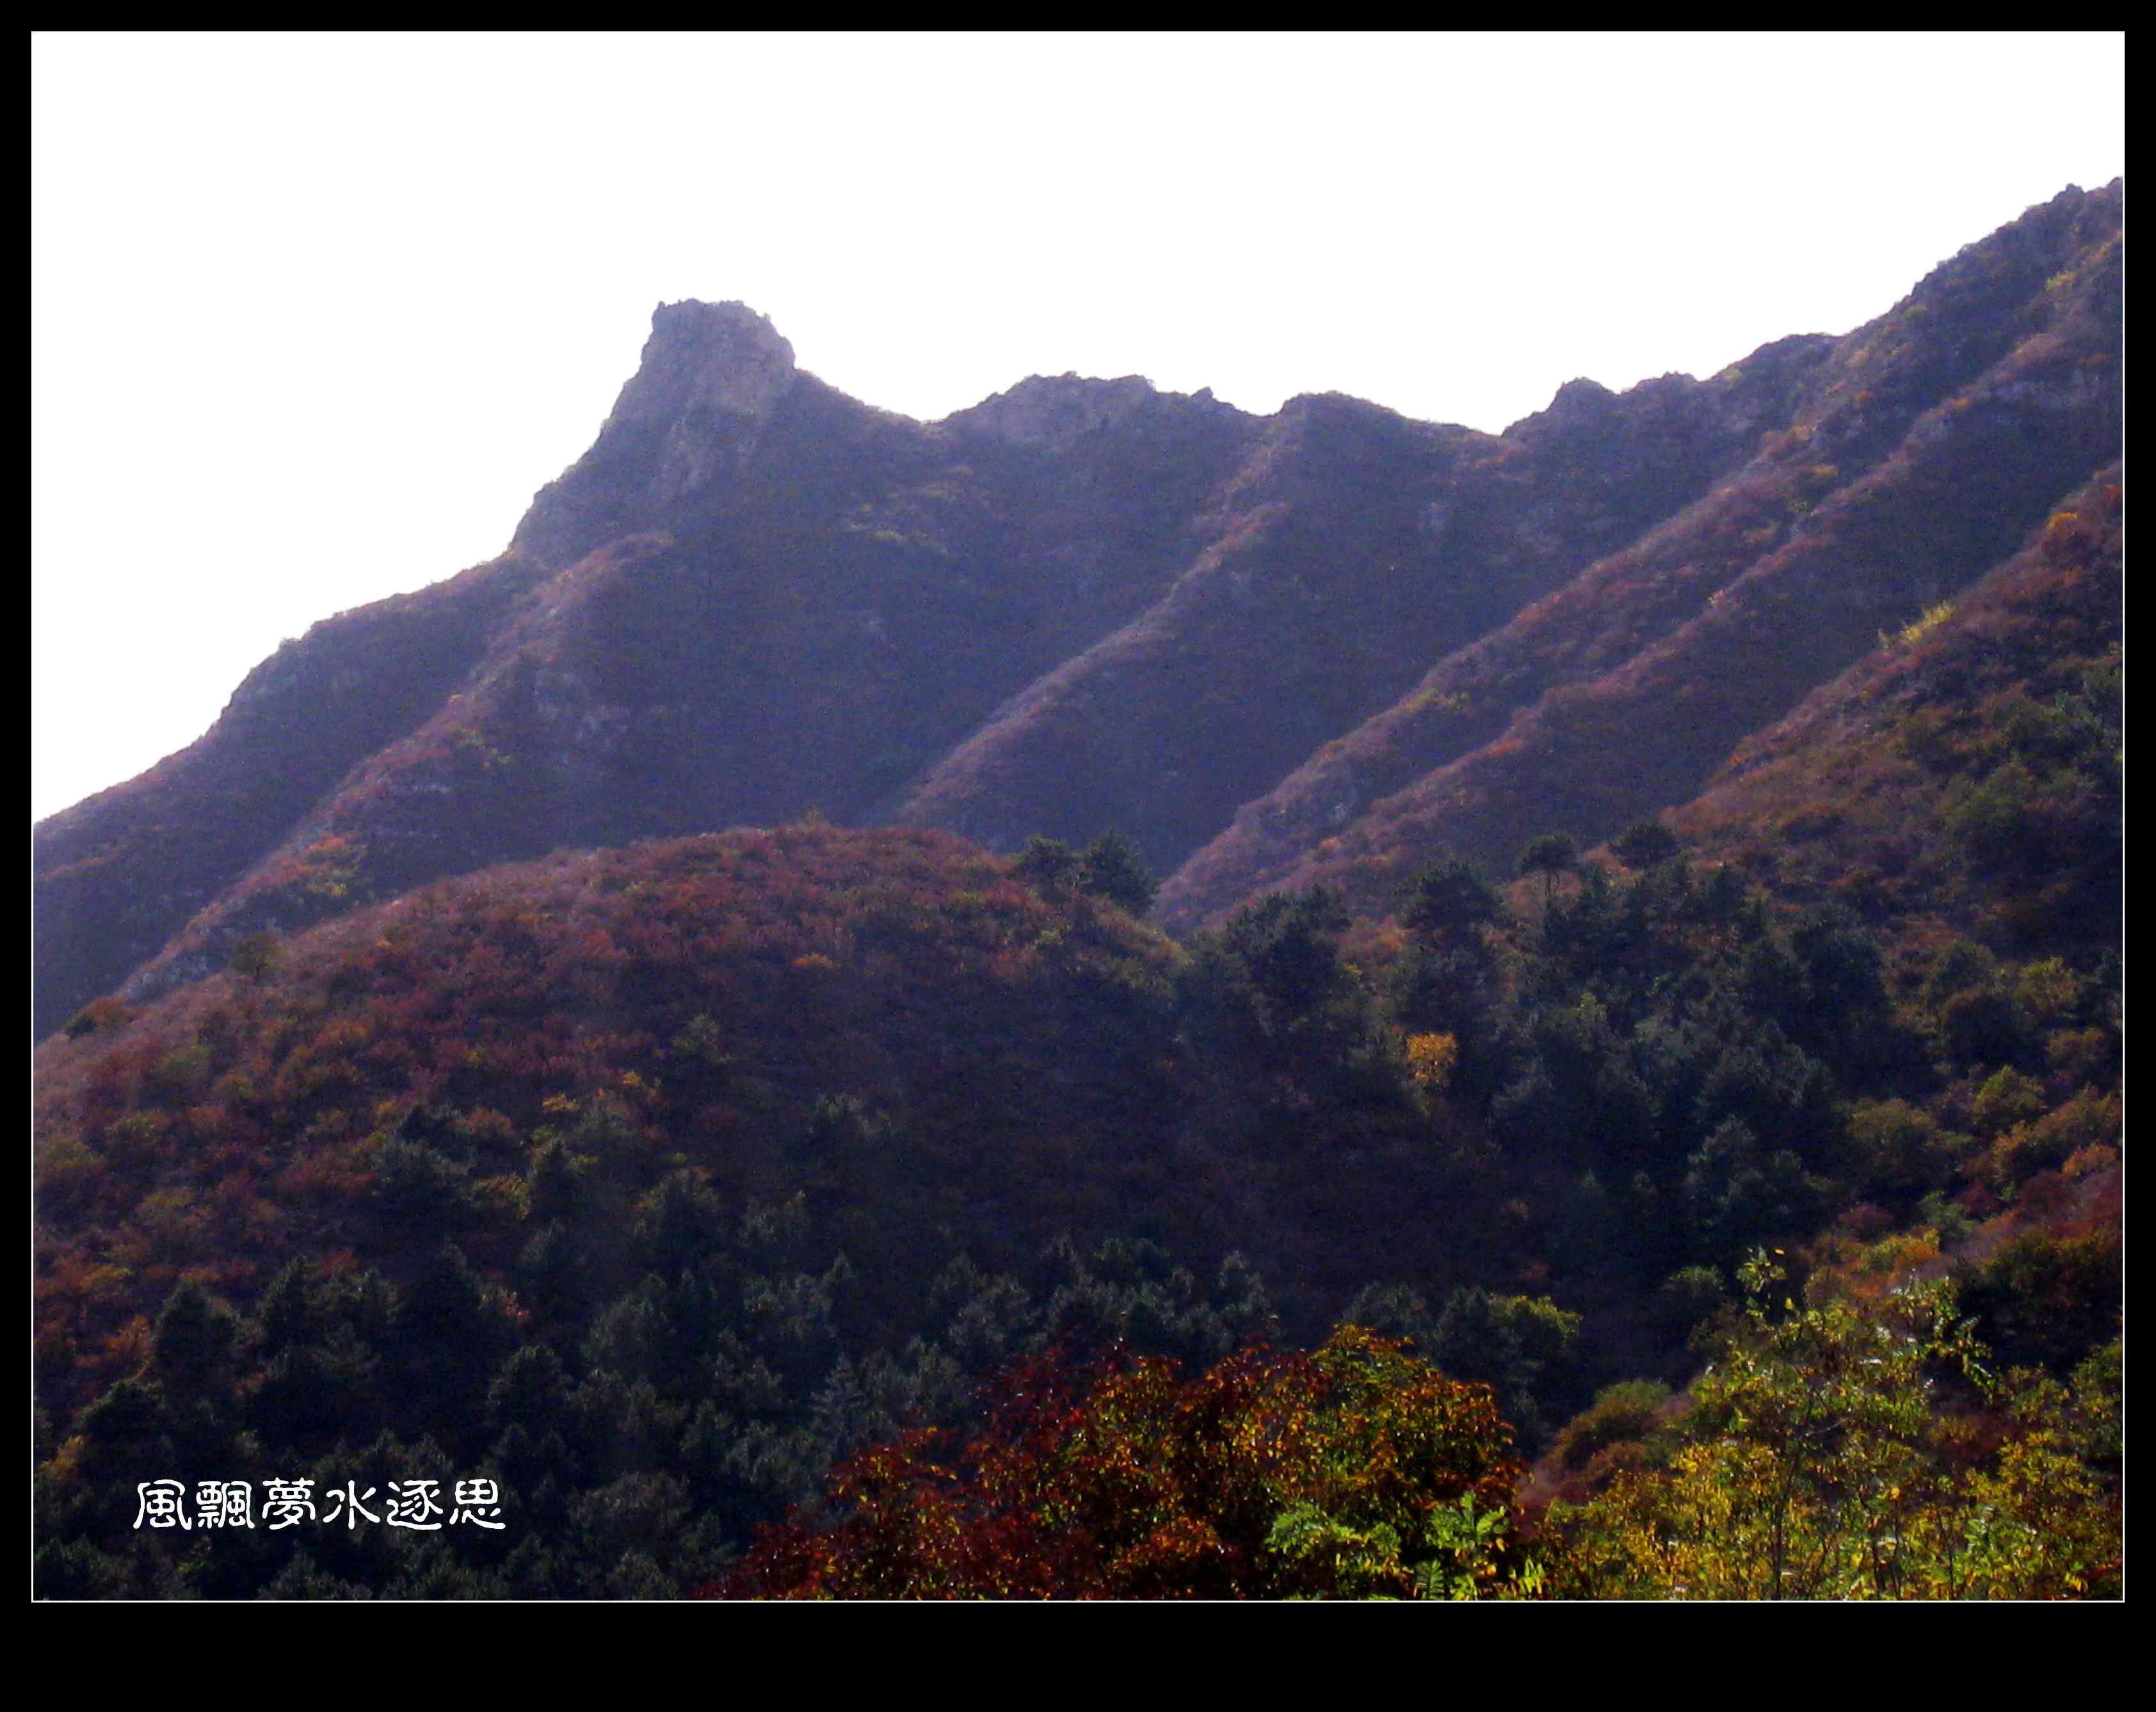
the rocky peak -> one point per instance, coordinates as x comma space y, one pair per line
1056, 411
1581, 401
705, 359
710, 375
1580, 408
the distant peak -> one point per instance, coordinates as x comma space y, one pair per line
705, 357
694, 319
1056, 410
1332, 407
1578, 404
1583, 394
1071, 383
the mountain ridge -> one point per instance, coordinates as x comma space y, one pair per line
1080, 603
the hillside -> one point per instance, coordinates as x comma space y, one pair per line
1963, 779
655, 1181
1923, 448
855, 1115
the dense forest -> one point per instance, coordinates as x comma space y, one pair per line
1387, 1012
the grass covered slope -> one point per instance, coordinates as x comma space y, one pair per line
1964, 778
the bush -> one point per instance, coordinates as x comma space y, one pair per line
1898, 1150
1981, 1026
1628, 1410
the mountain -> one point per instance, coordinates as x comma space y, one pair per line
606, 1023
1330, 644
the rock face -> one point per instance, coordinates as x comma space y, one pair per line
710, 380
705, 359
1056, 414
711, 376
1327, 644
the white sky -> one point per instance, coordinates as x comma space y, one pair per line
312, 317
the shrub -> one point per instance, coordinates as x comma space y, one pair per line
1628, 1410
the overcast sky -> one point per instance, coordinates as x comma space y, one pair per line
312, 317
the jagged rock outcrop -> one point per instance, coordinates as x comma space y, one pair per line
1056, 413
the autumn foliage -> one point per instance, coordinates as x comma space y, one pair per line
1355, 1470
1863, 1450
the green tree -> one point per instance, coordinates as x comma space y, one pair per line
1819, 1461
1046, 862
255, 957
1448, 901
1549, 854
1109, 867
1645, 844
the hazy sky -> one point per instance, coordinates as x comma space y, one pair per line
312, 317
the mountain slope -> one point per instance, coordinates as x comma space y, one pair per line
942, 1059
1352, 548
1963, 779
1923, 446
753, 598
120, 873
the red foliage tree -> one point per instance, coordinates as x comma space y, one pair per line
1356, 1471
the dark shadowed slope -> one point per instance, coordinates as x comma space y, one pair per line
1352, 547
